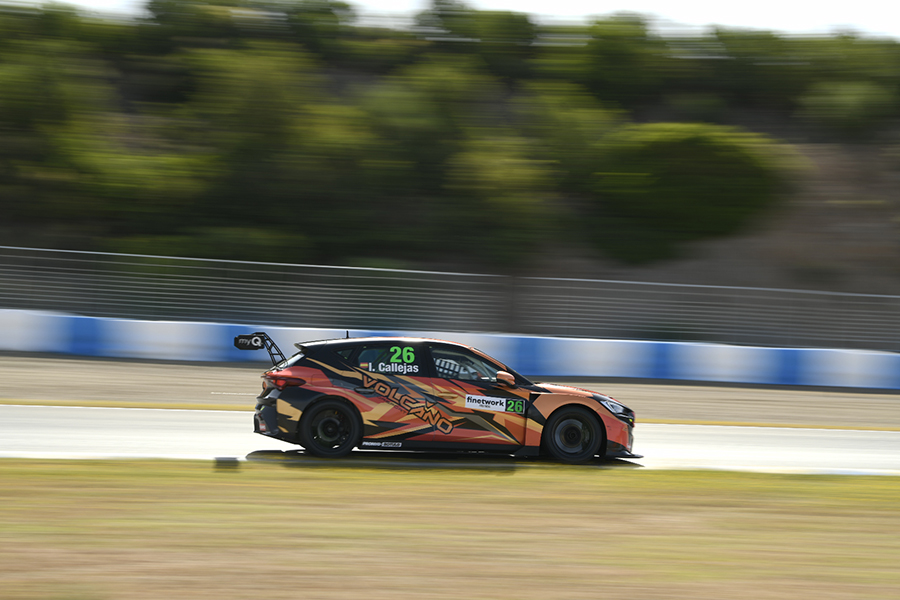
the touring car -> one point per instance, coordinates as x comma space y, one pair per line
405, 393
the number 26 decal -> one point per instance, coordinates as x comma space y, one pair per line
406, 354
515, 406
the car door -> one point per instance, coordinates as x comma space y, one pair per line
482, 411
395, 383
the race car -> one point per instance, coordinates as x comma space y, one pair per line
405, 393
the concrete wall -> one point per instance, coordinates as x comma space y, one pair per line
31, 331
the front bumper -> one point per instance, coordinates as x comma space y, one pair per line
614, 450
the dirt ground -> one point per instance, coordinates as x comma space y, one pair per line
54, 379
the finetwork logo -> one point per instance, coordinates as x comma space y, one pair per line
486, 403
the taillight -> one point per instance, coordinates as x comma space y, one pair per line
283, 382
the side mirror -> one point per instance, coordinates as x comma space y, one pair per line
506, 379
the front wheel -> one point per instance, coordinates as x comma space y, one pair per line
329, 429
573, 434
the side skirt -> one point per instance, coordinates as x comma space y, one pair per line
517, 451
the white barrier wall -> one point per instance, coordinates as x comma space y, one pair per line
27, 331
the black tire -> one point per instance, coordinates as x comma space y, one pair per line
329, 429
573, 434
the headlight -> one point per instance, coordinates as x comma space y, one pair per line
614, 407
621, 412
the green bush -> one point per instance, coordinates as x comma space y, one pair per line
234, 243
662, 184
501, 201
853, 108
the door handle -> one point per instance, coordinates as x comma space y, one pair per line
364, 390
447, 395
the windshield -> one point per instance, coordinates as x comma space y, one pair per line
520, 380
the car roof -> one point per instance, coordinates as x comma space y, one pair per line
337, 344
341, 342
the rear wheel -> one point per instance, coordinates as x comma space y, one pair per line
573, 434
329, 429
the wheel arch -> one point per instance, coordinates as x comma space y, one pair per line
331, 397
330, 428
577, 402
547, 404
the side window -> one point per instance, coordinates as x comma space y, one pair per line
346, 353
456, 363
390, 359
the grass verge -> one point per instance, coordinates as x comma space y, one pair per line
155, 529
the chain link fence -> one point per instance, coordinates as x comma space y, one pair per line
732, 315
186, 289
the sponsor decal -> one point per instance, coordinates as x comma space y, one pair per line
368, 444
513, 405
249, 342
425, 410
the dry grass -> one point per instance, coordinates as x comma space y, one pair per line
172, 530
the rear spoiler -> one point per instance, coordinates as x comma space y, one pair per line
258, 341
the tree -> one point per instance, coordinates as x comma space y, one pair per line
663, 184
501, 200
570, 125
624, 61
852, 108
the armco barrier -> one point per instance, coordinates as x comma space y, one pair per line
29, 331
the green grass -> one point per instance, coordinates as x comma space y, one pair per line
168, 530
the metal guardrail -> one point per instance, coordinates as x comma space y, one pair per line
174, 288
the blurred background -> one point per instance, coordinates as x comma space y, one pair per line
480, 169
643, 196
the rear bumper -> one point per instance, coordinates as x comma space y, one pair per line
278, 414
265, 421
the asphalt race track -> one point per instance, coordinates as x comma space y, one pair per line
83, 433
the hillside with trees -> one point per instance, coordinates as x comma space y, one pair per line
478, 140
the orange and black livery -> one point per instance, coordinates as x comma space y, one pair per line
408, 393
